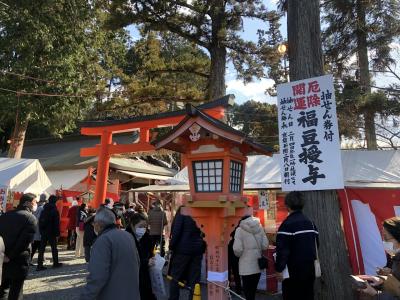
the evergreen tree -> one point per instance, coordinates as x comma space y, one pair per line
52, 66
363, 28
161, 71
258, 120
213, 25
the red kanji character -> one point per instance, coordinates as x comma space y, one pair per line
299, 89
313, 100
300, 103
313, 87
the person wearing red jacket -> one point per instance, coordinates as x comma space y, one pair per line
72, 223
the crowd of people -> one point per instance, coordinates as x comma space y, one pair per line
119, 244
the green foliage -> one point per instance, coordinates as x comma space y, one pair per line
340, 36
51, 48
258, 120
355, 28
352, 103
160, 71
212, 25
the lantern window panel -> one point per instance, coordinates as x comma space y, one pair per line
235, 176
208, 176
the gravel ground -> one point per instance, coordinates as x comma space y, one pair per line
61, 283
65, 283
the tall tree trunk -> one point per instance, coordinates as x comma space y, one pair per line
18, 138
216, 81
365, 79
305, 57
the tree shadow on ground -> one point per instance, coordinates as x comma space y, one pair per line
60, 294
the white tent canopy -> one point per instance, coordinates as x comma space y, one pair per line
23, 175
361, 168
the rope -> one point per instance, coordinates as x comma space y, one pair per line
227, 289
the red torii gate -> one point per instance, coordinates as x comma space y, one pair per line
106, 129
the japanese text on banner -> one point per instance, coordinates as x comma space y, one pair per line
308, 135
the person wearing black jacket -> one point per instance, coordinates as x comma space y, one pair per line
17, 229
187, 246
296, 246
144, 245
49, 227
89, 236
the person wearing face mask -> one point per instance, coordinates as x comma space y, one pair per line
138, 229
387, 286
17, 228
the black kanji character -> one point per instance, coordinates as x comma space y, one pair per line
308, 119
328, 135
309, 138
310, 155
328, 124
313, 172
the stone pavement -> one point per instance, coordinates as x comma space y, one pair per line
65, 283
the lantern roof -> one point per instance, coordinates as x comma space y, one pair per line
196, 118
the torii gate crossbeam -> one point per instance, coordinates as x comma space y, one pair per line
106, 129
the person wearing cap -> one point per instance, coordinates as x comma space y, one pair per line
37, 238
17, 228
49, 226
114, 262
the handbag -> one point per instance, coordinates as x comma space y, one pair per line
262, 261
317, 264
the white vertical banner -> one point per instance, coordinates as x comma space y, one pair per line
263, 200
308, 135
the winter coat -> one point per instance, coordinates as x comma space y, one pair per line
17, 228
113, 267
49, 221
157, 220
145, 250
296, 241
37, 214
89, 236
250, 241
186, 237
72, 216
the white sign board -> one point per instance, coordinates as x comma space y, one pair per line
263, 200
308, 135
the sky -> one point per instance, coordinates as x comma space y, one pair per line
256, 90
